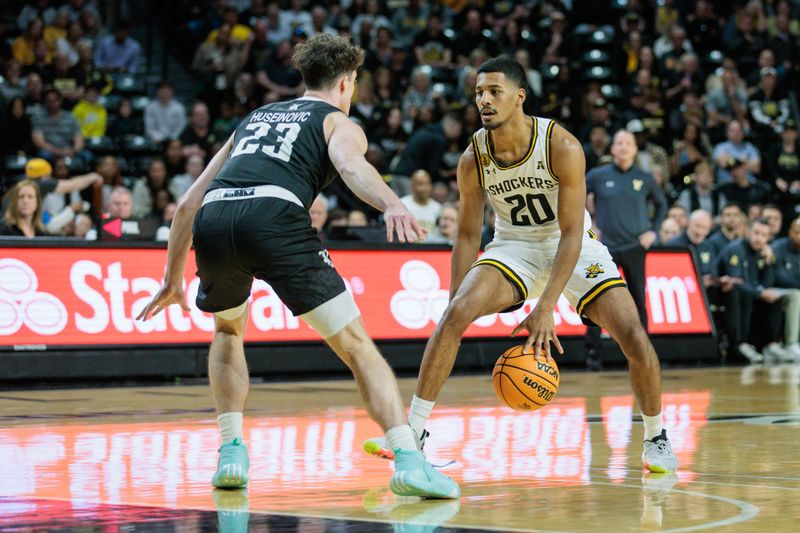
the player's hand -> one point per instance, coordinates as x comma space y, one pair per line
767, 253
398, 219
541, 332
770, 295
166, 296
647, 239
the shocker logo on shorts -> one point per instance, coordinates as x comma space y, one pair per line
325, 257
594, 270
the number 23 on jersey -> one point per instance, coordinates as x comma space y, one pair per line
286, 134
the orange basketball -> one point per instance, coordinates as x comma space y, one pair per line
522, 382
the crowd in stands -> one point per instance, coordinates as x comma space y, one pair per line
706, 88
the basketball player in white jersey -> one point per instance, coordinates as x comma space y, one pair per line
533, 173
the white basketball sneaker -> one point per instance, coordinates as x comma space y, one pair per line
658, 456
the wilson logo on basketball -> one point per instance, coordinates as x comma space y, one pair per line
543, 392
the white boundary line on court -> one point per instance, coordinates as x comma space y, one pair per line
748, 511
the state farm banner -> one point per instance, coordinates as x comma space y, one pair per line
90, 296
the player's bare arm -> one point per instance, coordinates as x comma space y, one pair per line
569, 166
470, 219
347, 145
180, 238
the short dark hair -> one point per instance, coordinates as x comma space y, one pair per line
50, 90
505, 65
323, 58
761, 220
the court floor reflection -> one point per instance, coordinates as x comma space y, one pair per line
573, 466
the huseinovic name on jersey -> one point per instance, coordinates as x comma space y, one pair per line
265, 116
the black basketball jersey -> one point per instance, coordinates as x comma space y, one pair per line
281, 144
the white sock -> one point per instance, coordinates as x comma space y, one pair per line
230, 426
420, 411
652, 426
401, 438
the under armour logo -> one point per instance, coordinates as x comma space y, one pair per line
326, 258
294, 107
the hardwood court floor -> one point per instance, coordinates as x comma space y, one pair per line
141, 459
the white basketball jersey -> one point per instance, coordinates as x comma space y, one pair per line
524, 195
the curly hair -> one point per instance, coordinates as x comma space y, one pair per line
324, 58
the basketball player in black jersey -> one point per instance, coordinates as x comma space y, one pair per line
250, 212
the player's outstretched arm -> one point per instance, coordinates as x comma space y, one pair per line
569, 165
470, 219
180, 238
347, 145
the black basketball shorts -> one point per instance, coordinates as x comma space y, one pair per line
266, 238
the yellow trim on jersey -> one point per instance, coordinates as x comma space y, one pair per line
547, 151
509, 274
534, 136
592, 234
477, 153
596, 291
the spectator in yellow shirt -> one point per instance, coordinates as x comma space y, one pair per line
56, 30
23, 46
90, 114
240, 34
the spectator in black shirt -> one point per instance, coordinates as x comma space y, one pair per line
125, 123
783, 43
367, 109
557, 44
747, 40
198, 138
600, 116
703, 28
380, 53
783, 162
687, 77
741, 191
23, 217
769, 109
15, 134
472, 38
391, 136
260, 48
278, 77
431, 46
597, 146
425, 151
701, 193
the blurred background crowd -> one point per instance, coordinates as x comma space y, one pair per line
110, 110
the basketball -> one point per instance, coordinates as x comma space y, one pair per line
522, 382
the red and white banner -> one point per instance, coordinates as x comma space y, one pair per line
90, 296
